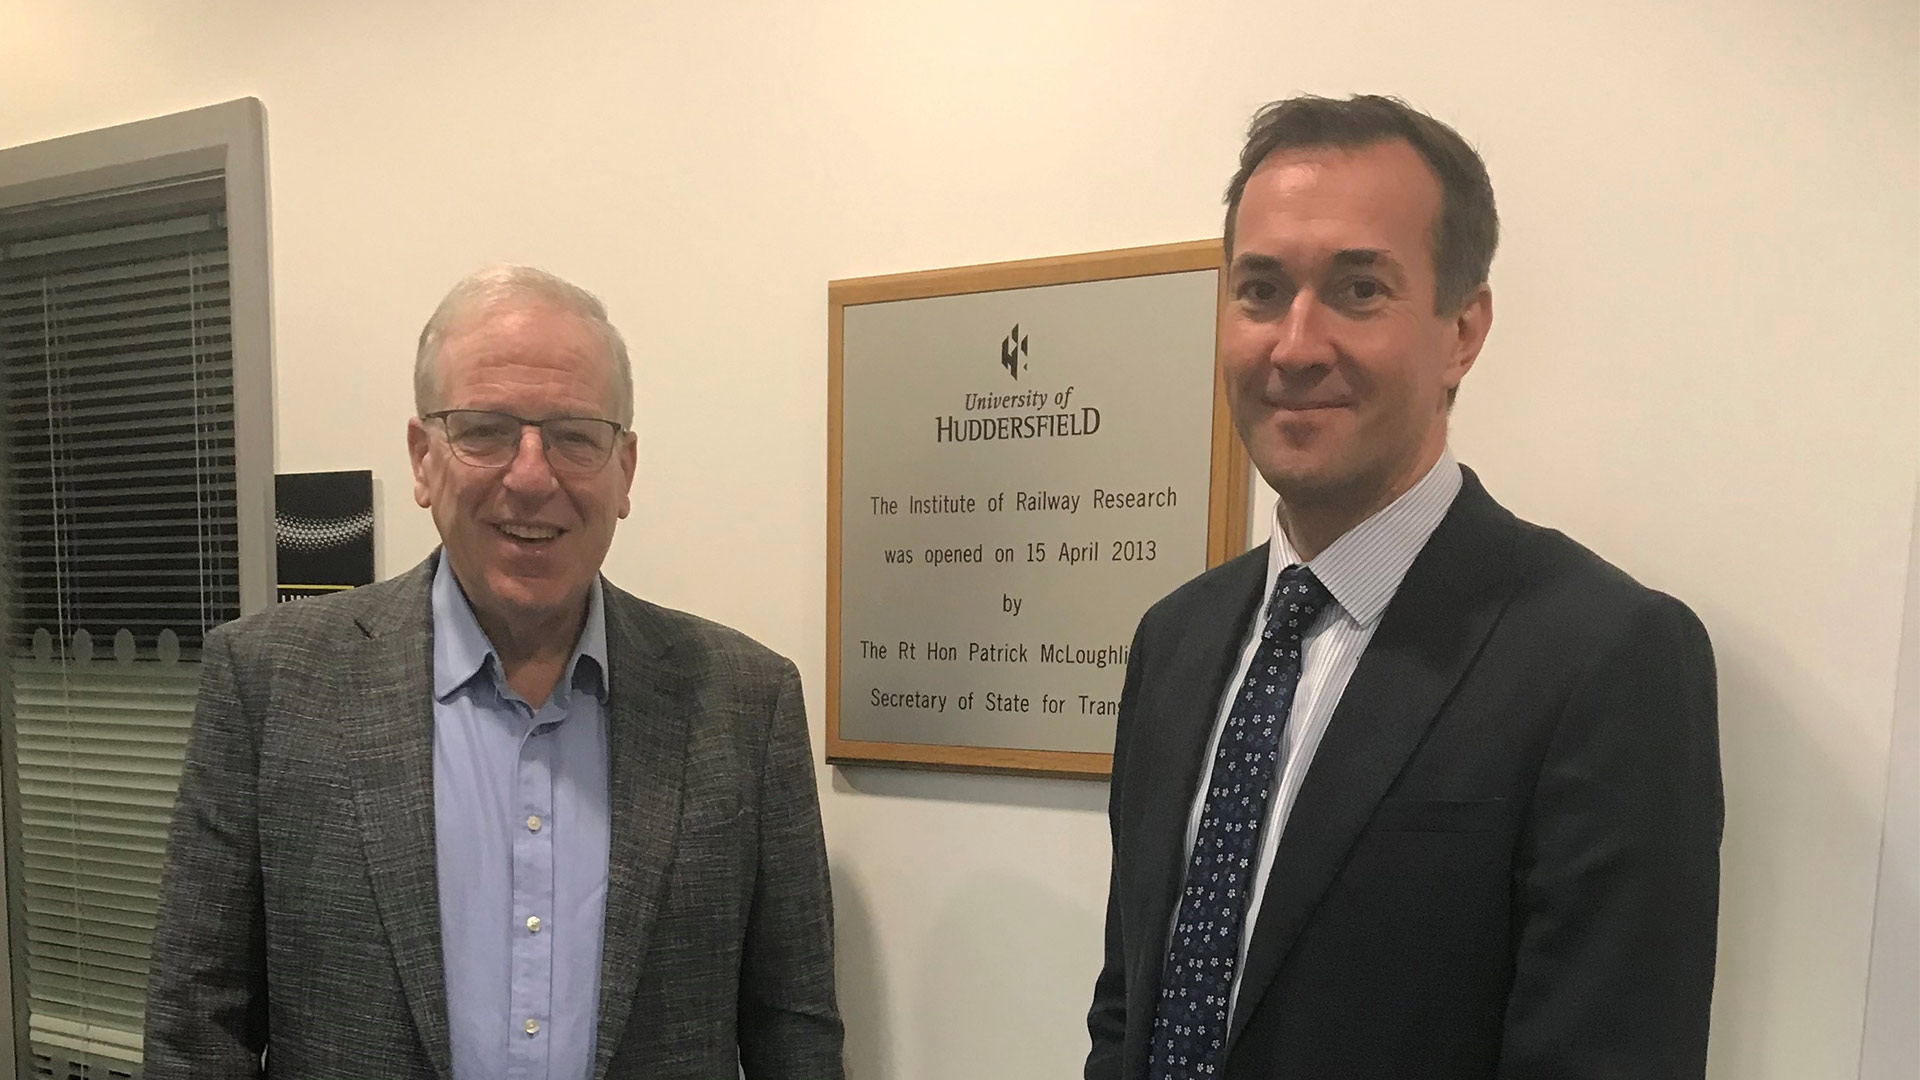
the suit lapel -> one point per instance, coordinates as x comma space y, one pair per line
388, 729
647, 732
1428, 636
1170, 755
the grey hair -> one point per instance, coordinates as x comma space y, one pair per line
506, 285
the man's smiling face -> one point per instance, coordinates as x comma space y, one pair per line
524, 541
1337, 365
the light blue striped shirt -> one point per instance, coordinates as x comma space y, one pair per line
1362, 570
521, 829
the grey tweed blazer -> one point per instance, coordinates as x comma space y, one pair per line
299, 912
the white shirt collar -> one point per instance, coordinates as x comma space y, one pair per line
1364, 567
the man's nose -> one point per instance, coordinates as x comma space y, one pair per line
1305, 339
529, 473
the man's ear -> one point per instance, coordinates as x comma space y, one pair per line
629, 463
1469, 332
419, 447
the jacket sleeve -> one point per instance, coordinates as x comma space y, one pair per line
207, 990
789, 1021
1618, 871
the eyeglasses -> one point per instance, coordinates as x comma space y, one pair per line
491, 440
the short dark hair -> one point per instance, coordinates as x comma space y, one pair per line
1468, 228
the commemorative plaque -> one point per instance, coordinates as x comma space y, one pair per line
1023, 458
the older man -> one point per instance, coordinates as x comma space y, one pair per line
496, 819
1417, 789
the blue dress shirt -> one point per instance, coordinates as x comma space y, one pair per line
521, 828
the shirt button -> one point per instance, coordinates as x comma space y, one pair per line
533, 822
533, 1026
533, 924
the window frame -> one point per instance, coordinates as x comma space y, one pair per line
231, 137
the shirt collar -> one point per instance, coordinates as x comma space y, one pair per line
461, 650
1364, 567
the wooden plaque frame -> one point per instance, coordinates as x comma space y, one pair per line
1226, 501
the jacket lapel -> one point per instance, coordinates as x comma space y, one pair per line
1428, 637
389, 743
1169, 755
647, 731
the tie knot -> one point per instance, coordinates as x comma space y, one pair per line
1298, 597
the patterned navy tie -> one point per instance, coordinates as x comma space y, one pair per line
1190, 1024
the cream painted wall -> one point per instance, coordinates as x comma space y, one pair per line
1704, 364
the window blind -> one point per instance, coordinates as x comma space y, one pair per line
119, 533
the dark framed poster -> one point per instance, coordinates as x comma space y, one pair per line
323, 532
1023, 457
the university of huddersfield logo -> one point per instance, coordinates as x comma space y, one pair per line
1013, 351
